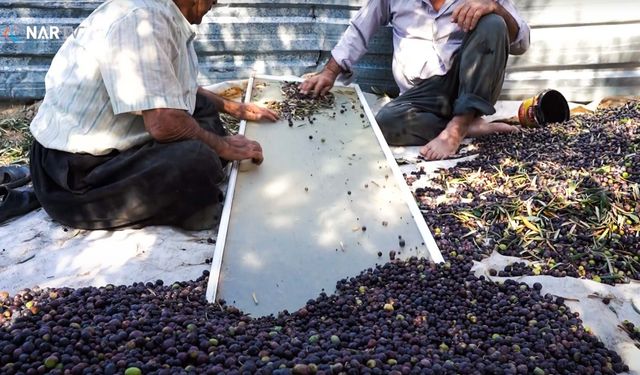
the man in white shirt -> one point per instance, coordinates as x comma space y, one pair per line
449, 62
124, 136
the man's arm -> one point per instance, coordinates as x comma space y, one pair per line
171, 125
240, 111
351, 47
512, 24
520, 44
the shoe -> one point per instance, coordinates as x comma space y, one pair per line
16, 203
12, 176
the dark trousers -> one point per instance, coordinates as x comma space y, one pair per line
472, 85
151, 184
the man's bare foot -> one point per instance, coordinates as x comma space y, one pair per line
444, 145
448, 141
480, 127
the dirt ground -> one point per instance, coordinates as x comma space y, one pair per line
15, 138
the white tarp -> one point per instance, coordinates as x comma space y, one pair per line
34, 250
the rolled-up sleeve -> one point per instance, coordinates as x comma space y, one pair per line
523, 40
136, 63
355, 41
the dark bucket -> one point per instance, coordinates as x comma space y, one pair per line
546, 107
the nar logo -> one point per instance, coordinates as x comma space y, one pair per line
43, 32
21, 33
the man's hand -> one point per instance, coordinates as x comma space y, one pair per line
321, 83
467, 14
238, 147
250, 112
253, 112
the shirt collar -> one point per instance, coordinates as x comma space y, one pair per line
181, 21
445, 6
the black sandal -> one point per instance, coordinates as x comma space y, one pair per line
12, 176
16, 203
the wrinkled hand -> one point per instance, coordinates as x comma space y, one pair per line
238, 147
467, 14
253, 112
319, 84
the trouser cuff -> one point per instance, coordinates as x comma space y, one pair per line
470, 103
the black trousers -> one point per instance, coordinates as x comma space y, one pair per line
472, 85
151, 184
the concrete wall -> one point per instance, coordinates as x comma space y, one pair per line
586, 49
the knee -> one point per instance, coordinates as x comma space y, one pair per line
205, 107
193, 157
492, 25
384, 118
389, 123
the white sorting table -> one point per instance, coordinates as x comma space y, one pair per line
327, 199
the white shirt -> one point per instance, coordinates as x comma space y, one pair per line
424, 41
127, 56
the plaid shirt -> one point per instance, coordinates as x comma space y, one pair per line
127, 56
